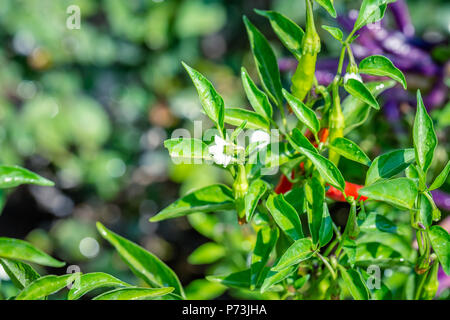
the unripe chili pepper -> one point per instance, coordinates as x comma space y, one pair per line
424, 261
431, 284
336, 121
240, 188
302, 80
352, 227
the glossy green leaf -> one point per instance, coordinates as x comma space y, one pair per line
288, 32
211, 101
274, 277
187, 149
13, 176
299, 251
328, 5
211, 198
375, 221
265, 242
328, 171
266, 62
335, 32
440, 240
134, 294
381, 66
371, 11
355, 284
326, 228
46, 286
297, 199
303, 113
355, 111
349, 247
285, 216
21, 274
315, 196
240, 279
202, 289
257, 98
255, 192
389, 164
299, 141
143, 263
236, 116
441, 178
21, 250
358, 90
207, 253
91, 281
350, 150
425, 140
400, 192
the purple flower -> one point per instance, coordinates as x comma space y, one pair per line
442, 200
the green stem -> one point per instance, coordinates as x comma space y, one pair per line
327, 264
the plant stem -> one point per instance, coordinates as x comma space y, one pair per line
327, 264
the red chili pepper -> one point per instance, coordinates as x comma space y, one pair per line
351, 189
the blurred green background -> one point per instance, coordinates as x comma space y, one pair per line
90, 109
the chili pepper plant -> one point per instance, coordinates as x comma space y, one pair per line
285, 184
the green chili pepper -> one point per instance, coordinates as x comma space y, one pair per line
336, 121
424, 261
431, 284
240, 188
302, 80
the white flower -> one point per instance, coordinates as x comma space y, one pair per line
217, 151
260, 138
355, 76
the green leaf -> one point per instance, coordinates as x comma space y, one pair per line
299, 141
381, 293
257, 98
188, 149
371, 11
255, 192
425, 139
326, 228
21, 250
265, 242
349, 247
285, 216
236, 116
328, 5
91, 281
315, 196
358, 90
355, 111
400, 192
46, 286
207, 253
381, 66
211, 101
441, 178
303, 113
266, 62
375, 221
389, 164
299, 251
440, 240
329, 172
144, 264
288, 32
349, 150
354, 283
202, 289
240, 279
21, 274
211, 198
335, 32
274, 277
13, 176
296, 198
134, 294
